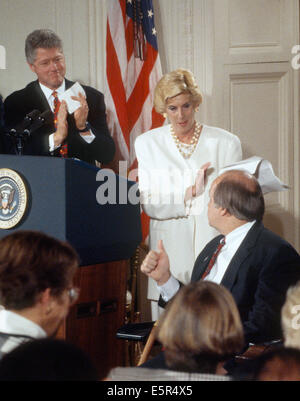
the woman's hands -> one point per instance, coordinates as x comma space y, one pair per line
198, 188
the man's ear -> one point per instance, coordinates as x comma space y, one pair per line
45, 297
224, 212
32, 67
46, 300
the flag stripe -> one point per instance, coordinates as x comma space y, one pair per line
117, 92
141, 91
129, 39
131, 79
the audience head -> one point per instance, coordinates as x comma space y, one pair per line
173, 84
236, 194
47, 360
201, 327
36, 277
290, 317
282, 364
44, 54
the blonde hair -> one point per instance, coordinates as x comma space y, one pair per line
200, 328
173, 84
289, 322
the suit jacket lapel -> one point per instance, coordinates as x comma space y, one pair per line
204, 258
241, 255
38, 98
68, 83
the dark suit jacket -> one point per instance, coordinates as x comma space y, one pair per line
258, 277
1, 126
22, 102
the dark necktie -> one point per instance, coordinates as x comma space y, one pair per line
64, 146
213, 258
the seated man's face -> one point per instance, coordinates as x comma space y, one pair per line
49, 66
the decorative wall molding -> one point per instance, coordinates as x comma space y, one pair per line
266, 37
276, 142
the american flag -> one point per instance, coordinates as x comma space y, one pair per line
132, 71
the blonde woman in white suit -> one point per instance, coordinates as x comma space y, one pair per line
177, 163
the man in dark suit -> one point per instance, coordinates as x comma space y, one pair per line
1, 126
256, 265
85, 132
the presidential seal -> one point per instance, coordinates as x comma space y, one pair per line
13, 198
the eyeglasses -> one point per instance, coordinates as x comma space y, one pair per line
73, 294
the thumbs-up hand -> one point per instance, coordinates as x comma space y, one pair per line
156, 264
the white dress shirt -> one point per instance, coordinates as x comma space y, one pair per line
50, 98
232, 242
13, 323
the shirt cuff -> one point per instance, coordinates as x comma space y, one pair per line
88, 137
51, 143
169, 289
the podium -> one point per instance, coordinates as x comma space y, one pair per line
63, 201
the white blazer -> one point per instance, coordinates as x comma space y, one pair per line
164, 176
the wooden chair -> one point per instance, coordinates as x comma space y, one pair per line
140, 336
148, 346
254, 350
134, 332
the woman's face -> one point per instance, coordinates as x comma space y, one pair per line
181, 113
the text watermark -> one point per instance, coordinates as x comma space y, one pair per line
153, 187
2, 58
296, 320
296, 59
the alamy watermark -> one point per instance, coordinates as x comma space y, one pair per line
150, 187
296, 59
2, 58
295, 310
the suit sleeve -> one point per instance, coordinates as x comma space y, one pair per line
279, 270
102, 148
1, 126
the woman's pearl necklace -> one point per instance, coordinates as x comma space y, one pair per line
187, 149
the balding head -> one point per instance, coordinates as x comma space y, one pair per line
240, 194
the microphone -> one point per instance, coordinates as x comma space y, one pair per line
27, 121
29, 118
46, 116
32, 121
42, 119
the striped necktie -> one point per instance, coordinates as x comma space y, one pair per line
56, 103
213, 258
